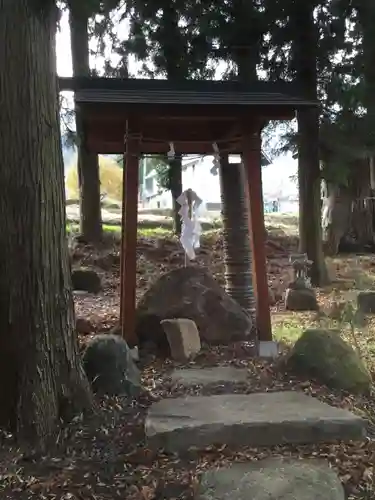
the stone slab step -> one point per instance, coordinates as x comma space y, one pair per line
272, 479
209, 376
262, 419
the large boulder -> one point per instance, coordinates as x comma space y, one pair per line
301, 299
109, 366
193, 293
323, 355
84, 326
366, 302
86, 280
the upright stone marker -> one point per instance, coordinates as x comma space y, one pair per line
183, 338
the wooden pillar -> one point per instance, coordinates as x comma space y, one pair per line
252, 165
128, 272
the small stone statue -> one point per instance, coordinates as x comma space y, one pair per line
301, 266
300, 296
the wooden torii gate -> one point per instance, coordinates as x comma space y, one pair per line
139, 116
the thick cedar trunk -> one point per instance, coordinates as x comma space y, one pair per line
309, 176
366, 18
348, 215
42, 377
235, 209
88, 165
175, 184
361, 229
371, 199
309, 180
236, 241
173, 53
335, 216
366, 21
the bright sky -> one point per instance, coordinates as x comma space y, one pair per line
64, 55
64, 58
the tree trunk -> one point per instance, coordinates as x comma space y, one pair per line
176, 69
348, 215
235, 208
89, 186
309, 180
309, 176
175, 183
42, 377
360, 231
366, 21
361, 227
366, 18
336, 216
371, 199
88, 165
236, 241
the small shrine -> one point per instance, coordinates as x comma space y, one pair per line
139, 116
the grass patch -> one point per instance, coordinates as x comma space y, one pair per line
288, 327
154, 232
279, 224
107, 228
143, 230
286, 224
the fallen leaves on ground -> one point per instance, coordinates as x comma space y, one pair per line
106, 457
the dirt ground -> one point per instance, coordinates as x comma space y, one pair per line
105, 457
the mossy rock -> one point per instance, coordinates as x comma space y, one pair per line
86, 280
366, 302
324, 356
109, 366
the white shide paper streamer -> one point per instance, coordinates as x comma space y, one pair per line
191, 229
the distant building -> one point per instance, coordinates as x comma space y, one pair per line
197, 175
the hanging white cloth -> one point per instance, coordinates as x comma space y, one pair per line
191, 229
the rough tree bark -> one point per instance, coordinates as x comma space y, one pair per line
335, 216
236, 235
175, 68
309, 175
175, 184
355, 232
235, 210
361, 220
348, 212
366, 18
88, 164
234, 199
42, 378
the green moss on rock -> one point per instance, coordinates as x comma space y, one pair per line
323, 355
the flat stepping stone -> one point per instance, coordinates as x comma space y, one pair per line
210, 376
273, 479
262, 419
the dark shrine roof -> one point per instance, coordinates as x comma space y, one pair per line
197, 92
191, 114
